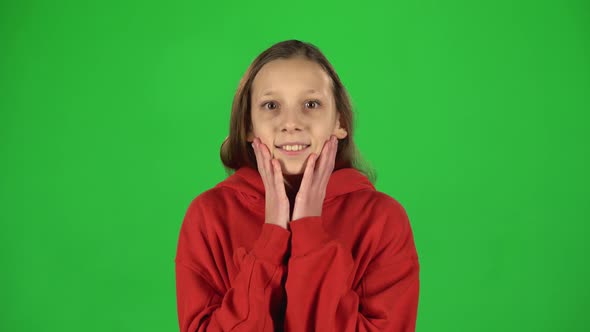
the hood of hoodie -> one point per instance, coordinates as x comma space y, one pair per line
248, 182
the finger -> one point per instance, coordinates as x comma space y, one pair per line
260, 162
327, 166
278, 177
258, 156
334, 152
307, 180
266, 161
324, 156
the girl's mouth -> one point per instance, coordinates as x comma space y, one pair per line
293, 152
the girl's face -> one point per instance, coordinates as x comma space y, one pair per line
292, 101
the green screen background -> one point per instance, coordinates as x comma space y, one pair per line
474, 115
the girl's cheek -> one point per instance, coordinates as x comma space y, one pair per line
317, 152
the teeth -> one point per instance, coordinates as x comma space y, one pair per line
293, 147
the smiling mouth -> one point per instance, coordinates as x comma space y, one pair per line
293, 152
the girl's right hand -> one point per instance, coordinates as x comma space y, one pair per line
277, 203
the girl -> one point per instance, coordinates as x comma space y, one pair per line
297, 238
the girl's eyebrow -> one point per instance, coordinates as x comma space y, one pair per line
270, 92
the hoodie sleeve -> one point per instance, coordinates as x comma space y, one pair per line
320, 270
203, 303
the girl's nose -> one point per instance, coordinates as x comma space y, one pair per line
291, 121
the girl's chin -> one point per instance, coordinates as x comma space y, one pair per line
292, 172
291, 168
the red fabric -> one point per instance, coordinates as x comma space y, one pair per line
355, 268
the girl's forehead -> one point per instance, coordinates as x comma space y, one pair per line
293, 67
286, 77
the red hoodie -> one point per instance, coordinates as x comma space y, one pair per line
354, 268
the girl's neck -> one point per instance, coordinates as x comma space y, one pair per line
292, 188
294, 181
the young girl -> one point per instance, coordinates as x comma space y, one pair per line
297, 238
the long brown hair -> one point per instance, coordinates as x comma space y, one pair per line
235, 150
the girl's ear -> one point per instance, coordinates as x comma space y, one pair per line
339, 132
250, 136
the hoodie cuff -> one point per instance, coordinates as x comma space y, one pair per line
308, 234
272, 243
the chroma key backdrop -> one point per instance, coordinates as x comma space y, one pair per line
473, 114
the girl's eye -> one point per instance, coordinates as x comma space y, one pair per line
269, 102
315, 101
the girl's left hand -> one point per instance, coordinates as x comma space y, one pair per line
312, 191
